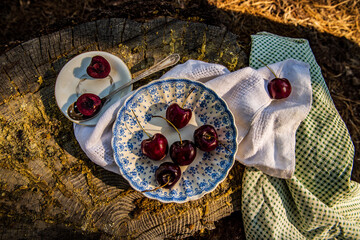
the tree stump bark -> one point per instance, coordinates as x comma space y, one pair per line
49, 188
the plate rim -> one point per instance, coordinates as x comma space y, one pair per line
93, 121
232, 156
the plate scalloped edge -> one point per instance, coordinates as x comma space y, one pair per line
166, 198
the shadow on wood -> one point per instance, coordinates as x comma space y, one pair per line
46, 177
47, 182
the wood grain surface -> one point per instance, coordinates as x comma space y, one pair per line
48, 185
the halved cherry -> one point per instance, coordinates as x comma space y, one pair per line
88, 104
99, 67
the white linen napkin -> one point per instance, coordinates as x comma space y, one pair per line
266, 127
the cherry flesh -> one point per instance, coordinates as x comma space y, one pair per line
99, 67
179, 116
155, 147
206, 138
88, 104
168, 174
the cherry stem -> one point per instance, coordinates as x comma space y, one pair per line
182, 106
267, 67
137, 120
208, 135
224, 146
171, 125
158, 187
127, 125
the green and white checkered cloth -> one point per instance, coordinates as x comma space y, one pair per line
319, 201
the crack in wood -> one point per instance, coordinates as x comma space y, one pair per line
32, 61
16, 88
53, 179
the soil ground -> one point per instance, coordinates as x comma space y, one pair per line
332, 28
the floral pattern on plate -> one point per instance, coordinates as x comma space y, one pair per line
208, 169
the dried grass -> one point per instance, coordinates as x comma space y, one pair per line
339, 18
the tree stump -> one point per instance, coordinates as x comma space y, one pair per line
49, 188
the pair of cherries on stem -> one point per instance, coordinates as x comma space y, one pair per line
184, 152
205, 137
156, 148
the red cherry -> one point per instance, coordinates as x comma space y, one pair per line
179, 116
99, 67
206, 138
183, 152
279, 88
168, 174
88, 104
155, 147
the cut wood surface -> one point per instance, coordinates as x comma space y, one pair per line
48, 183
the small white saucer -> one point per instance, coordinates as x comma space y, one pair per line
71, 74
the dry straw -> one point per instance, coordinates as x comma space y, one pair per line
339, 18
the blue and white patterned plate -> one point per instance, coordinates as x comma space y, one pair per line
208, 169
